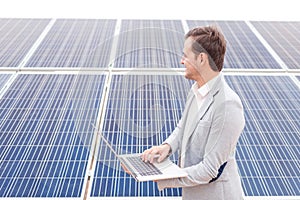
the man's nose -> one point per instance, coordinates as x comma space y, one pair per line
182, 61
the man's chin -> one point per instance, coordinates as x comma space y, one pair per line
186, 75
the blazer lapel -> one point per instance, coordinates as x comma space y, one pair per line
205, 106
191, 126
199, 115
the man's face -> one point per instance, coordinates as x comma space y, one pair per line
189, 60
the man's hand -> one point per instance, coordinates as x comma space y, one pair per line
125, 169
150, 154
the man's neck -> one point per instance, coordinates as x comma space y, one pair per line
204, 79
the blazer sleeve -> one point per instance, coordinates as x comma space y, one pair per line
227, 125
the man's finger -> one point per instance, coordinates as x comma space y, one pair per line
125, 169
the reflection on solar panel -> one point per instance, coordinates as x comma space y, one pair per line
150, 43
244, 50
283, 37
268, 152
76, 43
45, 134
16, 38
142, 111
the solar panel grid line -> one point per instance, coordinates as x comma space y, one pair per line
97, 139
280, 135
266, 44
15, 114
17, 35
68, 44
115, 42
5, 83
273, 32
71, 149
237, 41
19, 150
286, 27
36, 44
249, 151
86, 90
258, 170
267, 146
147, 45
272, 197
247, 37
52, 140
279, 149
77, 40
106, 148
250, 39
64, 51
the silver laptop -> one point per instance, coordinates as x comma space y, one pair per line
146, 171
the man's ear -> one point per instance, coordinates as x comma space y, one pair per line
201, 57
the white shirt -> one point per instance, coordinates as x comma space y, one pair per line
201, 93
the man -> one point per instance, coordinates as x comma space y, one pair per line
213, 119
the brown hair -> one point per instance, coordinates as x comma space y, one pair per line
211, 41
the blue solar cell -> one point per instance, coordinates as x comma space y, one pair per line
45, 149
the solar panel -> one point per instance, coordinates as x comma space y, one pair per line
244, 50
48, 146
150, 44
80, 43
283, 38
142, 111
16, 38
46, 134
268, 150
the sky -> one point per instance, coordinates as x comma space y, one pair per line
261, 10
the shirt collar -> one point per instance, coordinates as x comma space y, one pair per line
205, 89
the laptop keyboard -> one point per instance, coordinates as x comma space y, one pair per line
145, 169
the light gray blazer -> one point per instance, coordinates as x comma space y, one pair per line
209, 145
